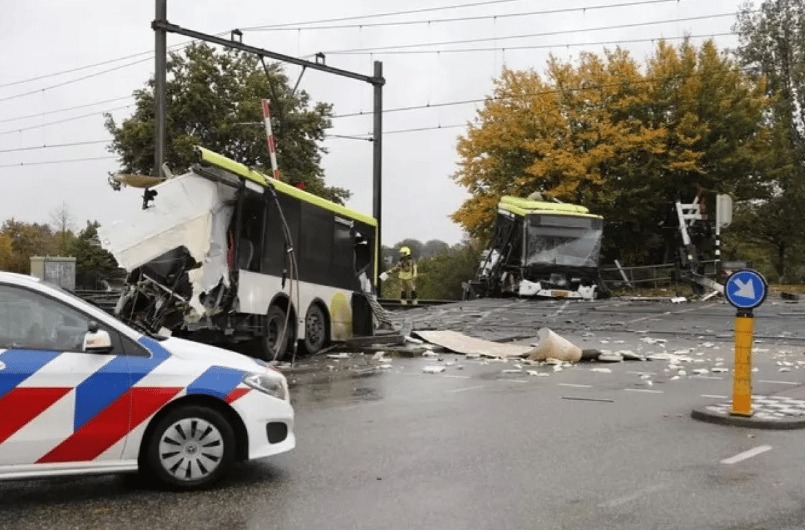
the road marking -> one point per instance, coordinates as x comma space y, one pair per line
780, 382
746, 454
713, 396
455, 390
667, 313
515, 381
459, 376
713, 377
562, 309
644, 390
619, 501
572, 385
641, 373
574, 398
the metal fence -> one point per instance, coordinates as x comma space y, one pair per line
653, 276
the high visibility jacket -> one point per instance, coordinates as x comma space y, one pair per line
407, 268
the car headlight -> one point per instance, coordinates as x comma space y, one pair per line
268, 383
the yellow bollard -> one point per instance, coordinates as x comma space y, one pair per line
742, 376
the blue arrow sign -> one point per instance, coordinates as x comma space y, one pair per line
746, 289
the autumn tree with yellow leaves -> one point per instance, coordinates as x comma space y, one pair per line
624, 139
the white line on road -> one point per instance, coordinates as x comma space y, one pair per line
713, 396
713, 377
746, 454
458, 376
515, 381
641, 373
562, 309
572, 385
464, 389
644, 390
619, 501
780, 382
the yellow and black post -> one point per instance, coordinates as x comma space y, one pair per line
742, 375
745, 290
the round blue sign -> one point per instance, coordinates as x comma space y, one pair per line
746, 289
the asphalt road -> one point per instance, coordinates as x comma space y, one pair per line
474, 447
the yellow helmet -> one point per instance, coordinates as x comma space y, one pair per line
405, 251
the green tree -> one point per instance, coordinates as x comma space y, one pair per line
213, 100
93, 262
773, 48
623, 140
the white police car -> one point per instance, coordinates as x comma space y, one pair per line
82, 393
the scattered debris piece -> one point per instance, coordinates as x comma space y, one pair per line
511, 371
601, 370
681, 373
461, 343
338, 356
537, 374
645, 376
784, 369
659, 356
719, 370
588, 334
429, 354
384, 367
649, 340
379, 356
556, 346
678, 299
610, 358
700, 371
708, 344
431, 369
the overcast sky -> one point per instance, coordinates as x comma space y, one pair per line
43, 37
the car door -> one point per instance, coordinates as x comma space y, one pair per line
59, 404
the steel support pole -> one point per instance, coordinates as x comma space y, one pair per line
160, 67
377, 165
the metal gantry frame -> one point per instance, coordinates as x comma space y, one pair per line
162, 27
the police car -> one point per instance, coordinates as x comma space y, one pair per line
82, 393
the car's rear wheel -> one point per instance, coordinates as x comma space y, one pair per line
191, 447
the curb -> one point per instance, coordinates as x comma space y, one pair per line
704, 415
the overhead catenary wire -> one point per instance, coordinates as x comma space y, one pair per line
65, 109
539, 46
459, 19
62, 161
71, 81
51, 146
378, 15
64, 120
529, 35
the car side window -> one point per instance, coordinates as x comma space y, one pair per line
30, 320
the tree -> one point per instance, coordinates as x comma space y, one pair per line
214, 101
624, 141
773, 48
61, 220
93, 262
434, 247
27, 239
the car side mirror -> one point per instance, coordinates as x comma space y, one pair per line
97, 341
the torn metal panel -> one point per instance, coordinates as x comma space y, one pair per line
189, 212
460, 343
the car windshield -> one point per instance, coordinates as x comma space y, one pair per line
563, 240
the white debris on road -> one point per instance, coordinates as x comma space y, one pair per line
338, 356
379, 356
719, 369
432, 369
601, 370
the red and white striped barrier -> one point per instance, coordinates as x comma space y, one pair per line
272, 148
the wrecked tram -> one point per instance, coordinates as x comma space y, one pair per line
224, 254
540, 249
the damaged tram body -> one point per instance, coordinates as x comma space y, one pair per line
225, 255
541, 249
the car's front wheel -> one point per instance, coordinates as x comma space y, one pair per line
191, 447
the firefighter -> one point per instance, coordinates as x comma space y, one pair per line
407, 268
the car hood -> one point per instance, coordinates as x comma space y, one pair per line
196, 351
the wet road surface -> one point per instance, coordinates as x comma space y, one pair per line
474, 447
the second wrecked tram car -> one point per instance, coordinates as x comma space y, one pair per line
225, 254
541, 249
